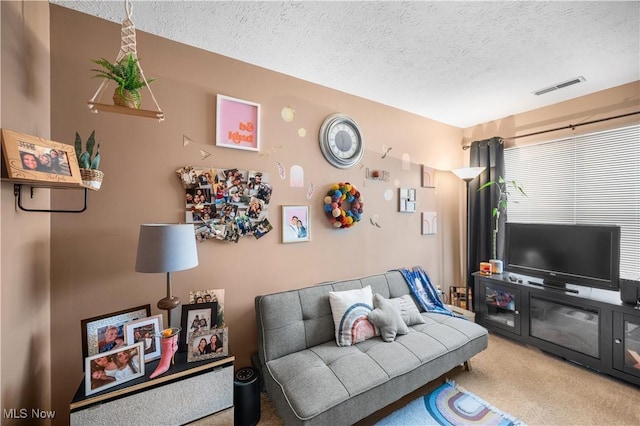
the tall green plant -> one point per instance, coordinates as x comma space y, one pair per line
86, 160
501, 207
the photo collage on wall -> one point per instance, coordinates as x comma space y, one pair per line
226, 204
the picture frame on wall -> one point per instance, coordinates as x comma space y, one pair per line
106, 332
112, 368
237, 123
295, 224
196, 318
208, 344
33, 159
147, 331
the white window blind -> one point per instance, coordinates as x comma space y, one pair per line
587, 179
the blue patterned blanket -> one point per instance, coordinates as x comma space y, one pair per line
423, 291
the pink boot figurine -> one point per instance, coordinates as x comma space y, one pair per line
169, 346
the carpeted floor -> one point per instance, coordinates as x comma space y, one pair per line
535, 387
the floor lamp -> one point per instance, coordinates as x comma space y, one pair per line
468, 174
166, 248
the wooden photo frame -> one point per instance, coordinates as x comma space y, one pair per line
33, 159
216, 344
112, 368
195, 318
95, 329
147, 331
295, 224
237, 124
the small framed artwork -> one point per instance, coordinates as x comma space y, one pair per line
147, 331
106, 332
295, 224
207, 296
195, 318
407, 200
237, 124
209, 344
428, 177
429, 223
108, 369
35, 159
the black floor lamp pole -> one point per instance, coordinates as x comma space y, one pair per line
468, 268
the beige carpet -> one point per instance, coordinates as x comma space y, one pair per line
537, 388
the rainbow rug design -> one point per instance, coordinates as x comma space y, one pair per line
449, 405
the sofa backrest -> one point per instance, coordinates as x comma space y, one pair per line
295, 320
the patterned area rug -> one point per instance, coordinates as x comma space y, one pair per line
449, 405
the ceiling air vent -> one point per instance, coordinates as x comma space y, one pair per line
559, 85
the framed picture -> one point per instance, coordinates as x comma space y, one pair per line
111, 368
213, 343
147, 331
195, 318
295, 224
106, 332
429, 223
237, 124
428, 177
34, 159
206, 296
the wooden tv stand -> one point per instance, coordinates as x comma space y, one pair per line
588, 326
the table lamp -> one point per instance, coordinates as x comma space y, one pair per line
166, 248
468, 174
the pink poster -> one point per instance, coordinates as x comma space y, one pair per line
237, 124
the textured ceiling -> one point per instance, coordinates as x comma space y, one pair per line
460, 63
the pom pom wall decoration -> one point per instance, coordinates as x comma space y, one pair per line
343, 216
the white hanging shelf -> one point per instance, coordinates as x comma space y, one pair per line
127, 45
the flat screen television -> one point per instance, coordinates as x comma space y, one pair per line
587, 255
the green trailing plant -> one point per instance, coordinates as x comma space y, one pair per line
86, 159
126, 73
503, 201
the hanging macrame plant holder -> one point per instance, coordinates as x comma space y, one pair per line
126, 104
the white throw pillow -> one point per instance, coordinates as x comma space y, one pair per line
408, 310
350, 310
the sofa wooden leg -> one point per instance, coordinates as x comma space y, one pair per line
467, 365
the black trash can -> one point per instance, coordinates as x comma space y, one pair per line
246, 397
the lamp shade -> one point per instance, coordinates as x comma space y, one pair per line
166, 248
468, 173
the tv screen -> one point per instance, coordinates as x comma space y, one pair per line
587, 255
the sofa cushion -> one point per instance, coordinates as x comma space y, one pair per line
350, 310
408, 310
386, 316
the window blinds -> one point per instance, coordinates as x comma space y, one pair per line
586, 179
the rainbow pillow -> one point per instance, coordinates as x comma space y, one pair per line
350, 310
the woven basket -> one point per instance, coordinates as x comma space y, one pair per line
92, 178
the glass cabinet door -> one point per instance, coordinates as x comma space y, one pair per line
626, 344
501, 306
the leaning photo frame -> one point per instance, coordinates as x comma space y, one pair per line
147, 331
295, 224
208, 344
196, 318
112, 368
237, 124
37, 160
94, 330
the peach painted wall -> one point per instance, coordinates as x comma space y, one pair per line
93, 254
25, 341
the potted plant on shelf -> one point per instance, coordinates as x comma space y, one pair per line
126, 73
501, 207
88, 162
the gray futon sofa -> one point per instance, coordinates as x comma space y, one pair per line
312, 380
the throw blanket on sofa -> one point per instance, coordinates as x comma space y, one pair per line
424, 292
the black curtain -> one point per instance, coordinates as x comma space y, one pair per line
488, 153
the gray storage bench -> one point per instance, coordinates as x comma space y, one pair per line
312, 380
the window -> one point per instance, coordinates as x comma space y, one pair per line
584, 179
